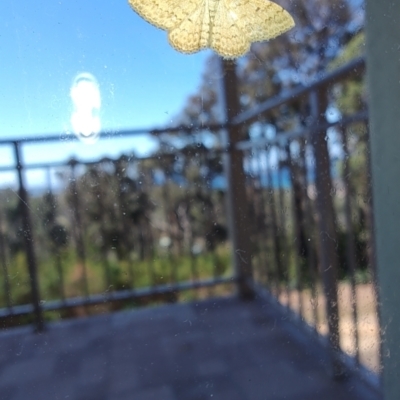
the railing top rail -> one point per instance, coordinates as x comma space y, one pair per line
113, 134
355, 67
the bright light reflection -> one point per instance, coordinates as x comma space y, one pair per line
85, 118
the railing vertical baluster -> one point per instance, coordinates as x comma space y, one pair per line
298, 220
173, 278
151, 263
309, 228
263, 233
271, 266
282, 225
238, 218
80, 245
251, 193
97, 172
207, 186
326, 225
121, 165
29, 244
278, 273
55, 249
3, 261
350, 246
193, 263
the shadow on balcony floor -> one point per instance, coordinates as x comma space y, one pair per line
221, 349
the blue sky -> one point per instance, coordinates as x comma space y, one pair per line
44, 44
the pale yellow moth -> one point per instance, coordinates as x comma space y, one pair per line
228, 27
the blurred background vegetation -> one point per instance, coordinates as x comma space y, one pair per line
124, 223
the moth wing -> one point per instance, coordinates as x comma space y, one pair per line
264, 20
239, 23
165, 14
227, 33
193, 33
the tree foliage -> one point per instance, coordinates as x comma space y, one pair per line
323, 29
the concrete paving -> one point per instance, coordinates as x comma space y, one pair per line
217, 349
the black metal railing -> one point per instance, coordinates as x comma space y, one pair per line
159, 231
309, 196
115, 230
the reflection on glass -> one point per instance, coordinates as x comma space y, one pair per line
85, 119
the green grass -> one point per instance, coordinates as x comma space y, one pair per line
110, 274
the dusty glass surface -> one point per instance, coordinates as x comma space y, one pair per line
157, 190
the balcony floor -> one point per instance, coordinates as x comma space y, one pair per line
218, 349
